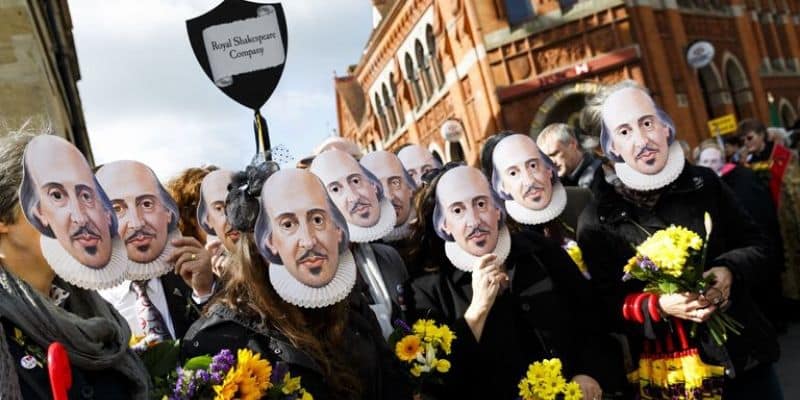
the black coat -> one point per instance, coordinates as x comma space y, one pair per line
35, 382
545, 313
379, 372
182, 309
611, 226
395, 276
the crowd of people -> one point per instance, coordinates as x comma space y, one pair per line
522, 256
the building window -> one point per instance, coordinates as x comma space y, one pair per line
737, 82
433, 59
424, 68
388, 102
413, 80
395, 102
381, 115
518, 11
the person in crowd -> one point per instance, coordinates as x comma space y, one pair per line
511, 299
659, 189
756, 200
184, 188
527, 181
398, 187
221, 237
778, 168
157, 303
38, 307
370, 216
289, 293
575, 166
333, 142
417, 160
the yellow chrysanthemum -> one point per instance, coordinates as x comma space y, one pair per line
425, 328
408, 348
416, 370
443, 366
446, 336
573, 392
290, 385
669, 249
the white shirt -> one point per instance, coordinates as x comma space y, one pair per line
124, 300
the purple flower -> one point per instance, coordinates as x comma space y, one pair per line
627, 277
216, 378
402, 325
223, 361
203, 376
647, 264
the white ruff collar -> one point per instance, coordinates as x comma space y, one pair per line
295, 292
139, 271
644, 182
465, 261
385, 224
72, 271
527, 216
399, 233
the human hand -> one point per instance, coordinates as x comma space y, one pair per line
589, 387
193, 264
488, 279
689, 306
723, 279
219, 257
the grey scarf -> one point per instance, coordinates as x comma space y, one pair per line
94, 334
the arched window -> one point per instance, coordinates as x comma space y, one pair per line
787, 114
381, 115
413, 80
712, 89
388, 102
395, 101
424, 67
433, 58
737, 82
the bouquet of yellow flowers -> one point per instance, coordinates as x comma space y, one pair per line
224, 377
672, 261
544, 381
423, 347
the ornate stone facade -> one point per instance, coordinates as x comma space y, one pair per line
490, 75
39, 68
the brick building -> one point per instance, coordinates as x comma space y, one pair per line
39, 68
522, 64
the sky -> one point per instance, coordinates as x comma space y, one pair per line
146, 98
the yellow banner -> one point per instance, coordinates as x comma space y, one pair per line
722, 125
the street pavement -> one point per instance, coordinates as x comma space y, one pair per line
789, 365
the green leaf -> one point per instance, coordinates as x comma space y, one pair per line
668, 287
199, 362
162, 358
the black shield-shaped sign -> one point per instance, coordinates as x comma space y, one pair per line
241, 46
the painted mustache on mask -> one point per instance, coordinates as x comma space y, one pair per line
142, 233
477, 231
531, 188
85, 230
310, 254
648, 148
358, 204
